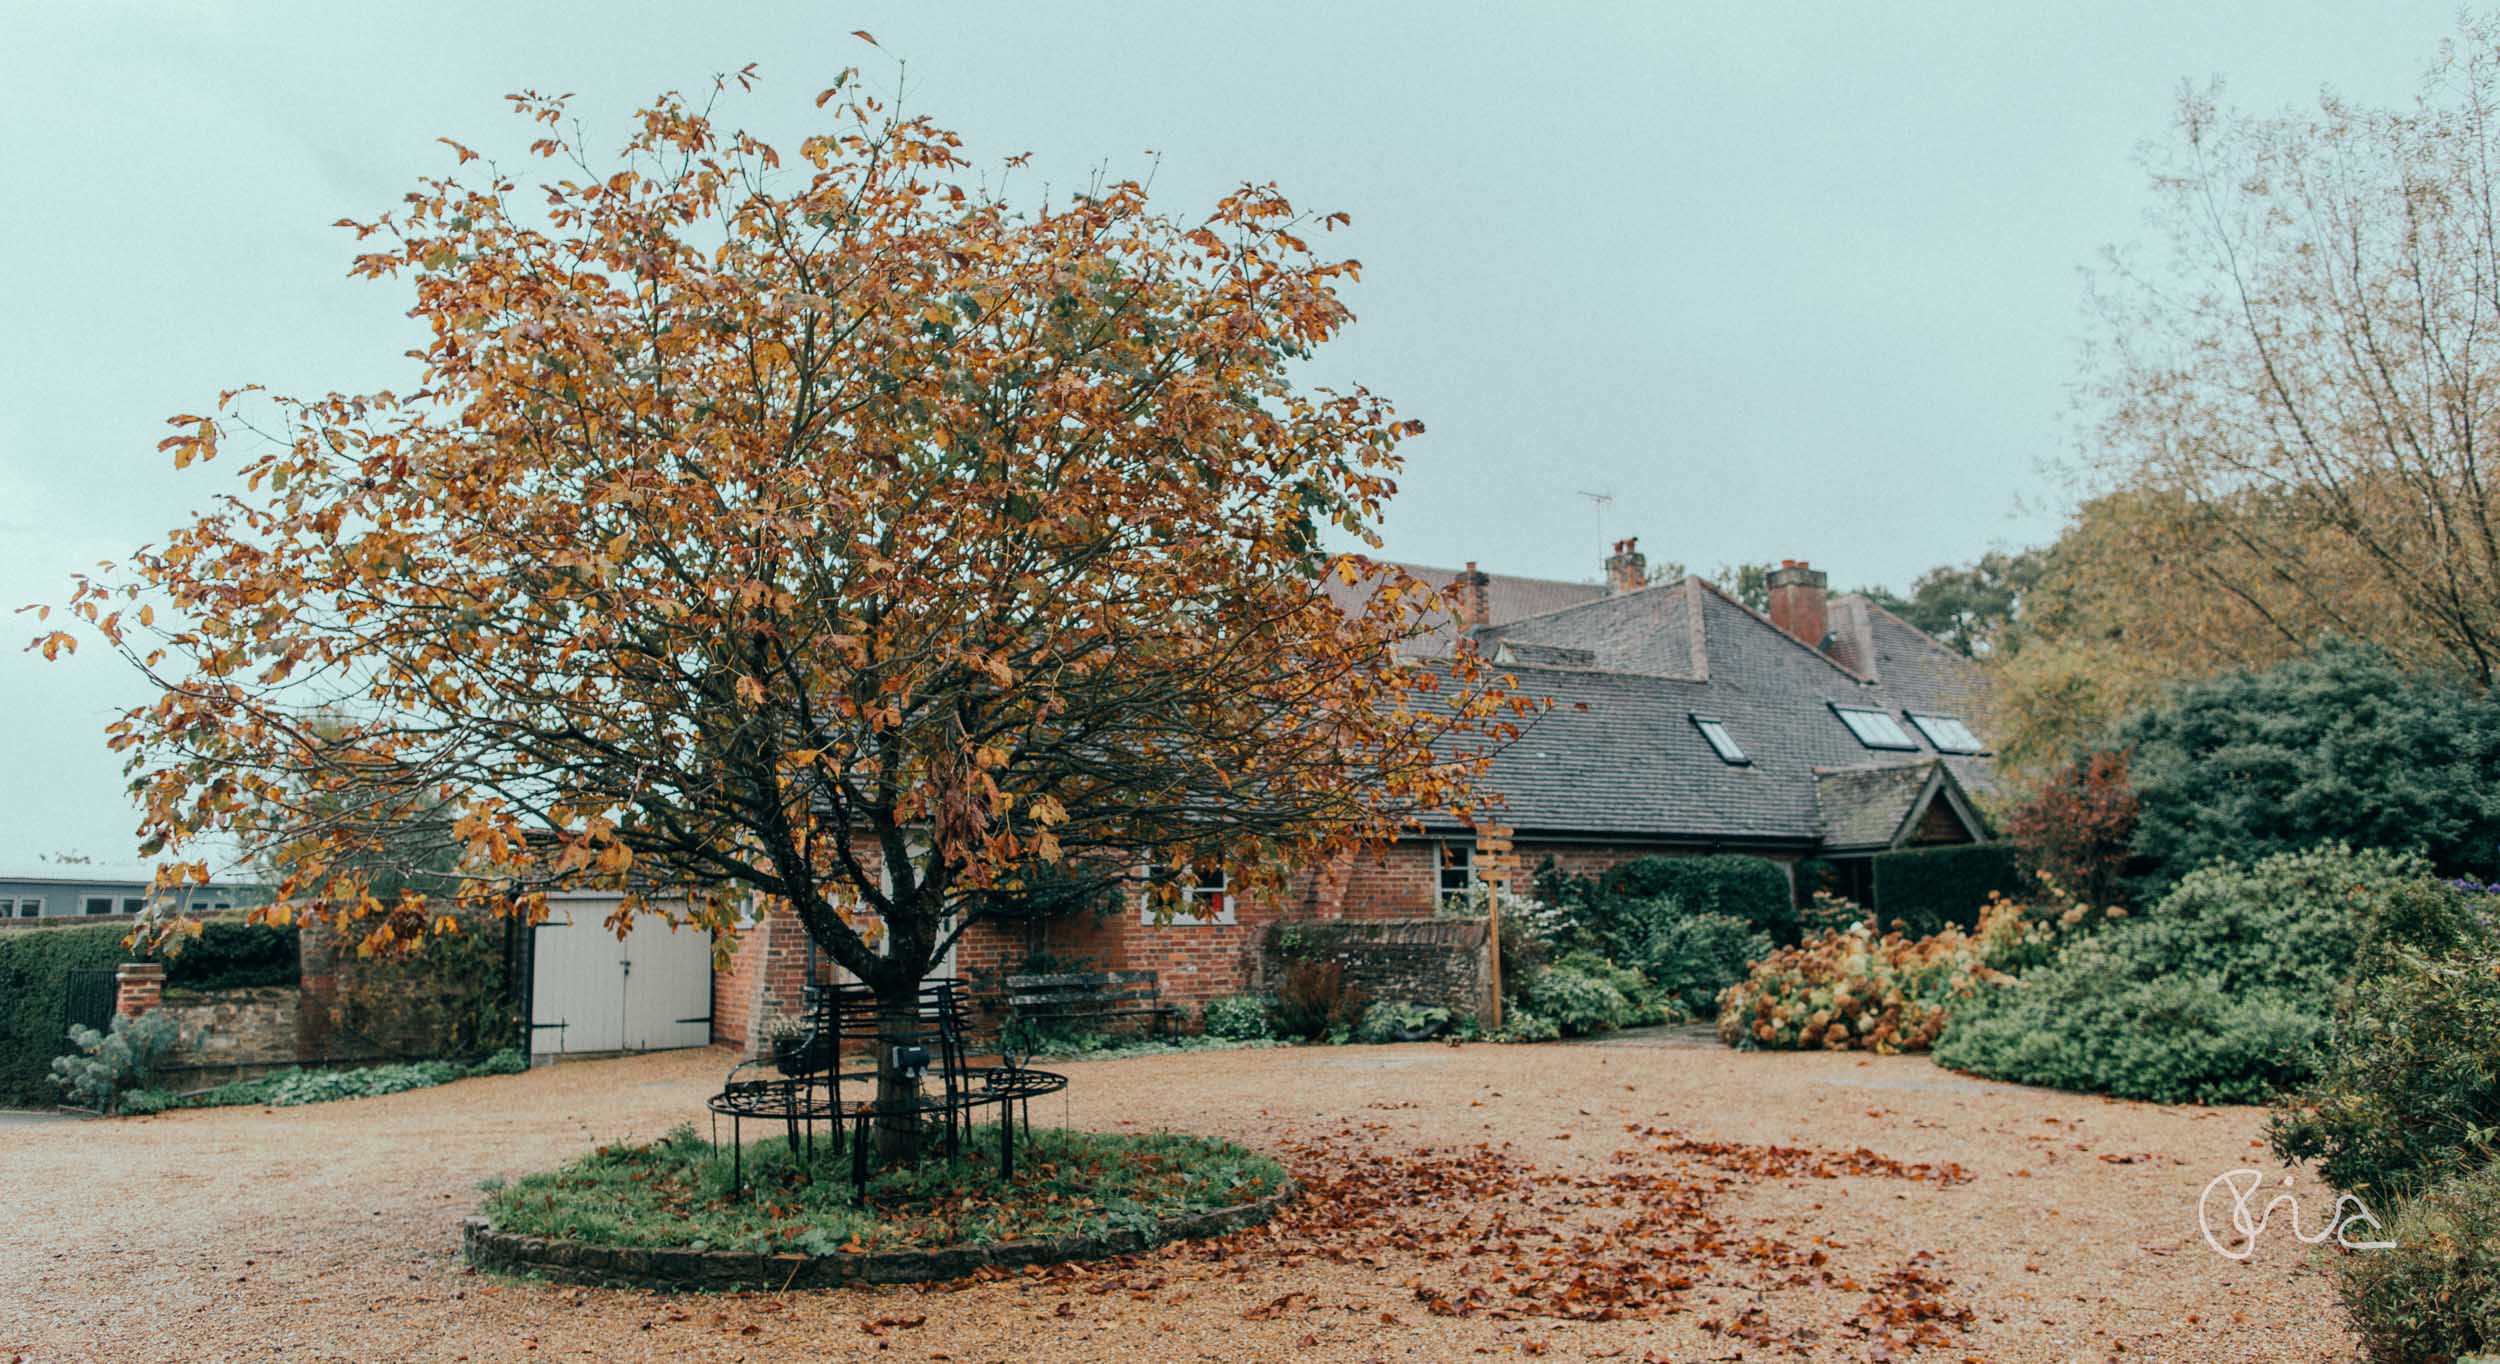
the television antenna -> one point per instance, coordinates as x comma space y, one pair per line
1600, 502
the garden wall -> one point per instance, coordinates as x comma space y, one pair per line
231, 1034
1437, 961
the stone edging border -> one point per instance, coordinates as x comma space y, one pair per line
676, 1270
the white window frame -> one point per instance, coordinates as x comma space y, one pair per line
30, 907
1949, 733
134, 904
87, 905
1906, 744
1442, 866
1185, 914
1722, 741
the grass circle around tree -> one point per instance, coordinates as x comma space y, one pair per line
661, 1215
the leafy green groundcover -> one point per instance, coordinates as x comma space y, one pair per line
675, 1192
290, 1088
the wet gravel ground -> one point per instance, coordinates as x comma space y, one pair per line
329, 1232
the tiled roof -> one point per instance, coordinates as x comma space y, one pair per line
1882, 647
1540, 655
1618, 755
1648, 631
1507, 598
1865, 807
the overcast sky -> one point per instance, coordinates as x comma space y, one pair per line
1778, 281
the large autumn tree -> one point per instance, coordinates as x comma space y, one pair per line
814, 526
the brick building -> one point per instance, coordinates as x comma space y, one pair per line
1683, 722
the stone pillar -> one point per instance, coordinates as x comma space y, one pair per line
142, 987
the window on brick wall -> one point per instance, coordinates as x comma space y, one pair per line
1208, 900
1458, 870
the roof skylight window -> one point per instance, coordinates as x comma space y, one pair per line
1947, 733
1721, 742
1874, 728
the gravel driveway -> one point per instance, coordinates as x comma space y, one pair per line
1682, 1204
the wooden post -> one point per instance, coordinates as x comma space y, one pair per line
1494, 861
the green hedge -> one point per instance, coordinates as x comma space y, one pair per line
1928, 888
34, 973
1753, 889
230, 954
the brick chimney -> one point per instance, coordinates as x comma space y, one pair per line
1475, 602
1799, 602
1627, 569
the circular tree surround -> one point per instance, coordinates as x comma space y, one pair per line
638, 1267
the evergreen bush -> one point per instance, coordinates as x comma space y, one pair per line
2339, 746
34, 981
1691, 958
2435, 1296
1752, 889
2220, 994
1920, 890
1239, 1018
232, 954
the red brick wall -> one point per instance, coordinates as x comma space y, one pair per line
765, 977
766, 974
1194, 962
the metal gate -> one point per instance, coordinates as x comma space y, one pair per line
591, 992
89, 998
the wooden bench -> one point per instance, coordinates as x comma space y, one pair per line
1087, 1000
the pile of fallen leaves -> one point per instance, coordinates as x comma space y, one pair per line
1478, 1231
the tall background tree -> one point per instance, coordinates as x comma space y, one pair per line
2287, 413
821, 528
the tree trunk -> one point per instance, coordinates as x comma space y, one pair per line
899, 1130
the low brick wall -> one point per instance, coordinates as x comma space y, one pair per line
235, 1033
1443, 961
689, 1270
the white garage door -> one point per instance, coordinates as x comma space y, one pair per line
590, 992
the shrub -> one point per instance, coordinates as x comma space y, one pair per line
232, 954
1520, 1024
1692, 957
1529, 929
1828, 911
34, 979
449, 998
108, 1064
1403, 1021
1848, 989
1752, 889
2339, 746
1921, 890
1583, 993
1316, 1000
2435, 1296
2078, 827
1239, 1018
2410, 1090
2219, 994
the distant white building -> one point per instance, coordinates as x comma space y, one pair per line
75, 890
